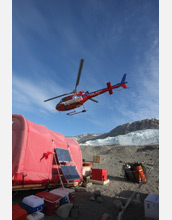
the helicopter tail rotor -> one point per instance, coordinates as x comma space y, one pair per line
123, 82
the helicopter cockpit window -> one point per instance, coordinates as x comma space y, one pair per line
64, 99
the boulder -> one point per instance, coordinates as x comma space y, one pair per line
99, 199
117, 204
92, 198
106, 216
64, 210
96, 193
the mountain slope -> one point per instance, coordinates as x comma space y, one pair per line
137, 138
124, 129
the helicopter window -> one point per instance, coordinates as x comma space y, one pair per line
64, 99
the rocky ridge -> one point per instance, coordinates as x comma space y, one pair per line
152, 123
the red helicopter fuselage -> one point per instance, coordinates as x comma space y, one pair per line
78, 99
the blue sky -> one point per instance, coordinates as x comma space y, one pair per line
114, 37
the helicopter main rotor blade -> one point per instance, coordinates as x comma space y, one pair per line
79, 74
57, 96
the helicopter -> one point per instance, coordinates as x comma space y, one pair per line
74, 99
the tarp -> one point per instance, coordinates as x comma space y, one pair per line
33, 153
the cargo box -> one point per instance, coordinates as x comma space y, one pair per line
70, 192
18, 213
64, 195
99, 174
86, 171
96, 158
51, 202
151, 206
36, 216
32, 204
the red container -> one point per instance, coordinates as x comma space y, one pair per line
139, 174
18, 213
99, 174
51, 202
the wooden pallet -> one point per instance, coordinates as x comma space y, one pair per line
39, 186
100, 182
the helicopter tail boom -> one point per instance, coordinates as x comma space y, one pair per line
122, 83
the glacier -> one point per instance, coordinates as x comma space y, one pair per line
140, 137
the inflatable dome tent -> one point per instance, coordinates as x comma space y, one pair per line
41, 157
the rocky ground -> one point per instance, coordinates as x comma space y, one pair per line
112, 159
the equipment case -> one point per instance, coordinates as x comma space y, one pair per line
36, 216
51, 202
32, 204
151, 206
99, 174
18, 213
63, 194
71, 193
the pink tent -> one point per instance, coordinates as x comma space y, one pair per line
34, 160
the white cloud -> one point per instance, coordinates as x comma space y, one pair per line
29, 95
141, 100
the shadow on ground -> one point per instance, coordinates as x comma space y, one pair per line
122, 179
147, 148
92, 210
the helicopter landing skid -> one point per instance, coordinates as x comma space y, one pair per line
75, 112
